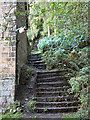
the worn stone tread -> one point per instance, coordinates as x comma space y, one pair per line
55, 98
57, 109
50, 75
48, 83
35, 54
43, 116
51, 92
38, 62
52, 78
51, 88
52, 71
34, 59
57, 104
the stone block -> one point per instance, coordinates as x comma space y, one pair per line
5, 54
11, 54
6, 70
5, 93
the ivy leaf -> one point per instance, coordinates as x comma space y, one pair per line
26, 12
6, 13
43, 10
36, 15
7, 39
16, 12
5, 27
53, 5
10, 5
4, 17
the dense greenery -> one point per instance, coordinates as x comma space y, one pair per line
64, 43
57, 50
67, 19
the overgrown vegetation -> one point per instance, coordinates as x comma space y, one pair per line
64, 43
13, 111
58, 18
62, 56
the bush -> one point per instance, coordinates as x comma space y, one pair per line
61, 52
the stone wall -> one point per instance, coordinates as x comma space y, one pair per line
7, 56
11, 52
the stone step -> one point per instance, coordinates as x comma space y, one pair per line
50, 94
53, 71
56, 109
52, 84
35, 54
37, 65
41, 68
34, 59
52, 79
37, 62
50, 74
57, 104
52, 88
43, 116
55, 98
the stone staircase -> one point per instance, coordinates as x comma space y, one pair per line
35, 60
51, 89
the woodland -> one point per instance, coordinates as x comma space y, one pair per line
60, 32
